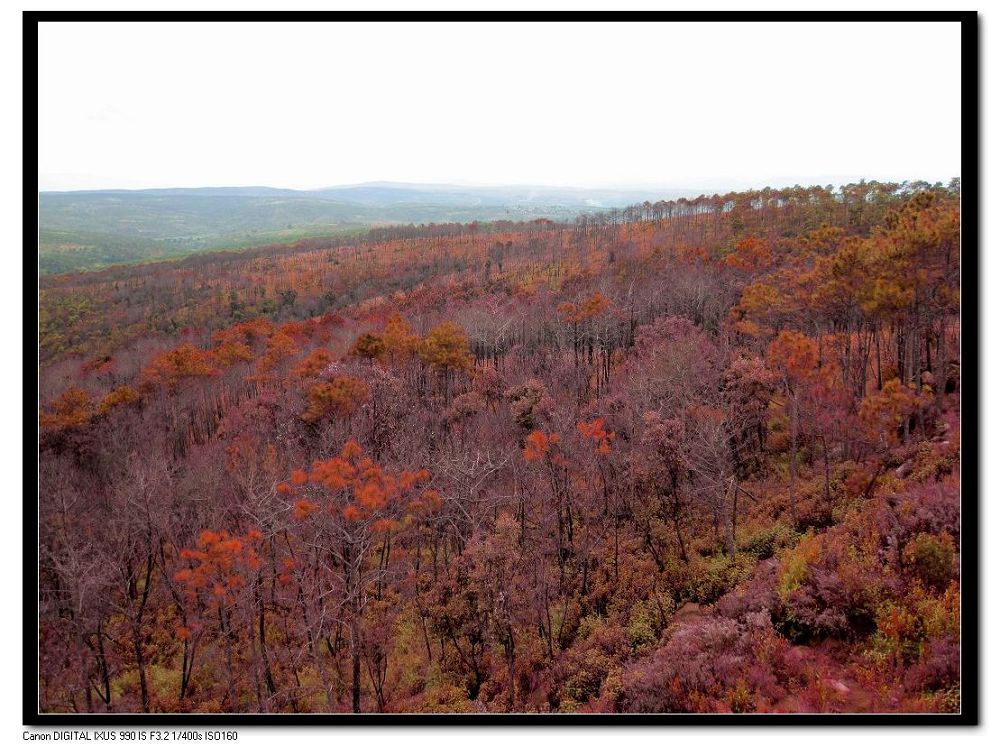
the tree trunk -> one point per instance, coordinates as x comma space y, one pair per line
140, 662
794, 458
677, 528
731, 524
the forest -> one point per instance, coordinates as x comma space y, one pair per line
688, 456
87, 230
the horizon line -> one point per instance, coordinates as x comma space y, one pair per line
737, 185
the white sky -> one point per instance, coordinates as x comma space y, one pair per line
576, 104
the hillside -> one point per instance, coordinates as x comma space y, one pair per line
698, 455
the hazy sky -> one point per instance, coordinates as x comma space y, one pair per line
576, 104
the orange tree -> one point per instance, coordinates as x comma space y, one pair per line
446, 349
221, 570
347, 510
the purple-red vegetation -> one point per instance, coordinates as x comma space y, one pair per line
696, 456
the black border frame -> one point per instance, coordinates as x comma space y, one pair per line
970, 557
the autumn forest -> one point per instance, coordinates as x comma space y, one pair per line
688, 456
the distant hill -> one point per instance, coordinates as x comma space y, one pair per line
92, 229
389, 193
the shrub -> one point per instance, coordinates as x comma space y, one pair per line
643, 627
720, 575
585, 666
765, 543
930, 557
712, 664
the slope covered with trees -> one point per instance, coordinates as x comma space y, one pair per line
86, 230
691, 456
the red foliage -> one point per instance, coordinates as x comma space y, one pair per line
595, 431
219, 565
540, 445
171, 368
340, 397
72, 409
